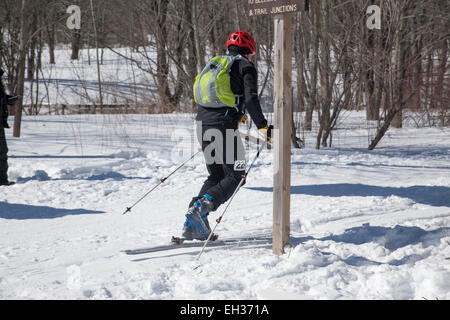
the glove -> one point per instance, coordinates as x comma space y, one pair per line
267, 132
242, 119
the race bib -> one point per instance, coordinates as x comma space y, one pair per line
239, 165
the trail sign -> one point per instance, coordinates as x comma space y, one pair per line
263, 7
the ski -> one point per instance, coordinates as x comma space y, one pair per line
180, 240
198, 244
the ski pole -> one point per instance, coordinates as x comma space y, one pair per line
161, 181
219, 219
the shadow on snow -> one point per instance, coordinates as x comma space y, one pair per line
41, 175
430, 195
24, 211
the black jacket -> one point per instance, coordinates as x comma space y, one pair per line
3, 106
244, 81
4, 102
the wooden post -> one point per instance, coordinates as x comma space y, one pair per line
282, 125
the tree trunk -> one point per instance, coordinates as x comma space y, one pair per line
100, 94
162, 66
314, 68
195, 25
372, 109
76, 40
21, 73
300, 64
191, 64
51, 42
439, 92
31, 51
325, 72
400, 71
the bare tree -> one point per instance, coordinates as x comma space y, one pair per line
21, 71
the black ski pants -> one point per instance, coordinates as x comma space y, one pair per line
225, 161
3, 157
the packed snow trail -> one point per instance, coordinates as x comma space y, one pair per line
365, 225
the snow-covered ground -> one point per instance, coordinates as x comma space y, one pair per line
365, 225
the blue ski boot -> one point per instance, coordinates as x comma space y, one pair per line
196, 225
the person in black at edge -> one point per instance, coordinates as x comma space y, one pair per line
5, 100
224, 176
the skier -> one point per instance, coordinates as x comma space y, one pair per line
225, 89
5, 100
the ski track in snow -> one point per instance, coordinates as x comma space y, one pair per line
365, 225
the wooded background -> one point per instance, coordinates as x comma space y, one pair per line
339, 63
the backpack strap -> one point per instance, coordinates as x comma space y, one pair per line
238, 96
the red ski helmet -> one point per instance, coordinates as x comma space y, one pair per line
243, 40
